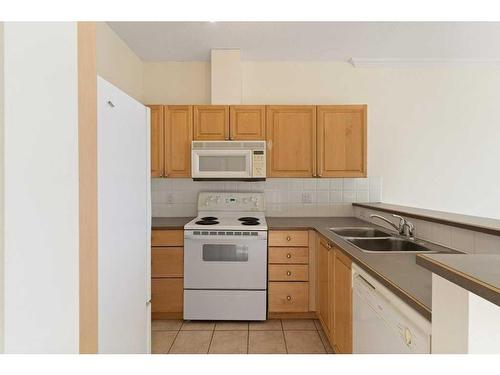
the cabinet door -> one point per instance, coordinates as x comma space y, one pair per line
178, 137
157, 146
323, 284
167, 295
167, 262
247, 122
291, 297
291, 141
211, 122
342, 304
342, 141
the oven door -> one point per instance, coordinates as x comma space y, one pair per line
221, 164
237, 263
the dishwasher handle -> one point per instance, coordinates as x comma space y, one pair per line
366, 281
361, 284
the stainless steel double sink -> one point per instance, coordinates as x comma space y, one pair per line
373, 240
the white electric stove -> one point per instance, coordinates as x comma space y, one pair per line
225, 258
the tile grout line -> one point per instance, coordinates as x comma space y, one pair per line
320, 337
211, 338
173, 341
284, 338
248, 338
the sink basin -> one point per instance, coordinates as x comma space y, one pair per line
360, 232
389, 245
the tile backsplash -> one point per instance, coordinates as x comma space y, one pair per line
284, 196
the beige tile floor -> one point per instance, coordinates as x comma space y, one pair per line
292, 336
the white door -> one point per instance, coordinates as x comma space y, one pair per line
124, 222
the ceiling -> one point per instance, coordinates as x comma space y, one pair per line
326, 41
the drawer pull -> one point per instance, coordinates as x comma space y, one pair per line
288, 273
288, 238
288, 255
289, 298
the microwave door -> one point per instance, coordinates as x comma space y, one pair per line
222, 164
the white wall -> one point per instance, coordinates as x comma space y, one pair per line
1, 193
177, 83
472, 328
432, 132
41, 188
117, 63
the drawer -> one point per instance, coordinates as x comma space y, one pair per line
167, 295
291, 272
288, 238
167, 262
288, 296
297, 255
167, 237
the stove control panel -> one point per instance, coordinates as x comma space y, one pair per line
231, 201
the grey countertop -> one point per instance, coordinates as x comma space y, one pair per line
478, 273
399, 272
170, 222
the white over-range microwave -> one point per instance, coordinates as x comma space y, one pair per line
228, 160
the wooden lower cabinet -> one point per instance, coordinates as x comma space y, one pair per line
289, 255
334, 295
288, 272
288, 297
167, 262
287, 238
342, 304
167, 295
324, 286
167, 273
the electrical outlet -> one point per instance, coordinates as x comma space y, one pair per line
170, 198
306, 197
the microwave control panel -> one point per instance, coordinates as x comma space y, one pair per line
259, 163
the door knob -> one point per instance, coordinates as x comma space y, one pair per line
288, 273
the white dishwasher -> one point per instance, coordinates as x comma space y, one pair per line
383, 323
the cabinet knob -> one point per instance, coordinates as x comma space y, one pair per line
288, 273
289, 298
288, 255
288, 238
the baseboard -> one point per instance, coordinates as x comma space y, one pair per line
166, 315
298, 315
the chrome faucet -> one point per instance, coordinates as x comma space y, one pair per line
404, 228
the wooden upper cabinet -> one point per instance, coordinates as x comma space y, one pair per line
342, 141
178, 137
291, 141
211, 122
157, 146
342, 303
247, 122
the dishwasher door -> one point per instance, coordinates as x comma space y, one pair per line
382, 323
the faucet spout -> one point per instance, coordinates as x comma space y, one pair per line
386, 220
404, 228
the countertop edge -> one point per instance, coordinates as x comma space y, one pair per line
426, 215
468, 282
